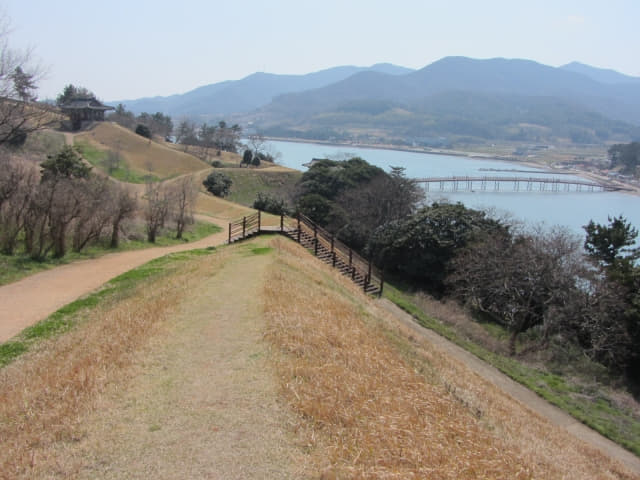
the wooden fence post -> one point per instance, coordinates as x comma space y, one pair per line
333, 253
351, 267
229, 233
244, 226
282, 223
381, 283
367, 278
298, 216
315, 239
259, 221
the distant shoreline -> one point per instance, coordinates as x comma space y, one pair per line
396, 148
632, 189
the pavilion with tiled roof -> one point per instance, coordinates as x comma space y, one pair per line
85, 110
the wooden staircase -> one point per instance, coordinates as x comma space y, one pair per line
318, 241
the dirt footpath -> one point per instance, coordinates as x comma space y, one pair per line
33, 298
203, 398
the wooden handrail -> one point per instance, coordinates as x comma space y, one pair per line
326, 237
244, 227
340, 254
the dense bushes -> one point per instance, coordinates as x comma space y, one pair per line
420, 247
218, 184
351, 197
537, 282
270, 204
143, 131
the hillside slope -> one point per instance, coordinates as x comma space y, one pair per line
256, 361
141, 155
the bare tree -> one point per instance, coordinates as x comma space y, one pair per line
19, 75
112, 161
97, 211
522, 281
125, 206
186, 134
18, 181
385, 198
184, 197
206, 137
65, 208
261, 148
158, 198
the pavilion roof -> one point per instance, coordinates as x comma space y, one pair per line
85, 103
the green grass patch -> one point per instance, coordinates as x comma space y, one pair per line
261, 250
11, 350
248, 182
256, 246
122, 172
15, 267
68, 316
598, 412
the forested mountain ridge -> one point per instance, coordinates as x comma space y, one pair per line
451, 99
249, 93
494, 76
502, 99
602, 75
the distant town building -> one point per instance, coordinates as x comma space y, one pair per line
82, 110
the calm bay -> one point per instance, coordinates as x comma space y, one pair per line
572, 210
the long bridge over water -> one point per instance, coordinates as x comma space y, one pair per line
514, 184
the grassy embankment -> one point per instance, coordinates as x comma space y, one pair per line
140, 159
379, 403
601, 407
367, 401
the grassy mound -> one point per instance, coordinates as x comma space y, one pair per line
141, 158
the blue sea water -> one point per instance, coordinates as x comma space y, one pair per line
571, 210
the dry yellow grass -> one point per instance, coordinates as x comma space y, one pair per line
142, 156
207, 204
370, 401
44, 394
369, 412
210, 155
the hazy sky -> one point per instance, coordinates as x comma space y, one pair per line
136, 48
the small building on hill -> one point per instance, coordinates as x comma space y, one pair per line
82, 110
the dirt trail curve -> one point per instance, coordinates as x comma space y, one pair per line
33, 298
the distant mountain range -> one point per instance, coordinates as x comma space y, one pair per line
601, 75
249, 93
453, 98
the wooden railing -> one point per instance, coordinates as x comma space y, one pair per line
340, 255
244, 227
322, 243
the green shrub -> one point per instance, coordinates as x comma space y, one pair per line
218, 184
270, 204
